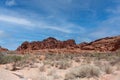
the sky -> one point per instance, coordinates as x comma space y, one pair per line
35, 20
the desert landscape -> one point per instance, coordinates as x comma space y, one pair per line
59, 39
52, 59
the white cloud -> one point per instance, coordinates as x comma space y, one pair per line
16, 20
29, 21
58, 29
10, 3
26, 23
30, 24
64, 27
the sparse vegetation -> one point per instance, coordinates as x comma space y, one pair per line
4, 58
71, 66
83, 71
107, 69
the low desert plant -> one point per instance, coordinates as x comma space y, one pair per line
9, 58
107, 69
83, 71
62, 64
42, 68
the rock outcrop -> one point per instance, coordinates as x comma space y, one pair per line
3, 49
102, 45
49, 43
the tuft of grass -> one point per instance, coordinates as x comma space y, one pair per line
83, 71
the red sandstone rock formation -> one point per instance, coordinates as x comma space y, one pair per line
49, 43
3, 49
104, 44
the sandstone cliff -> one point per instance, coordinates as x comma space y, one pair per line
49, 43
102, 45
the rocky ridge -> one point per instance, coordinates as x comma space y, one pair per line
49, 43
102, 45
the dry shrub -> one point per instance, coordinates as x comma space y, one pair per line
83, 71
42, 68
54, 74
61, 64
77, 59
51, 72
4, 58
107, 68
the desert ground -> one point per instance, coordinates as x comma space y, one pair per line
51, 66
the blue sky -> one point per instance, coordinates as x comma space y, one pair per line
82, 20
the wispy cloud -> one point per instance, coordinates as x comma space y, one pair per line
58, 28
62, 25
109, 26
113, 11
34, 24
16, 20
10, 3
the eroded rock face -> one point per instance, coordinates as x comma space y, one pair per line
49, 43
3, 49
104, 44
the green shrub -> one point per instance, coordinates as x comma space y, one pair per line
4, 58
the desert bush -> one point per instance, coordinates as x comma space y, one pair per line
48, 62
54, 74
62, 64
42, 68
83, 71
60, 56
77, 59
9, 58
107, 69
27, 61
